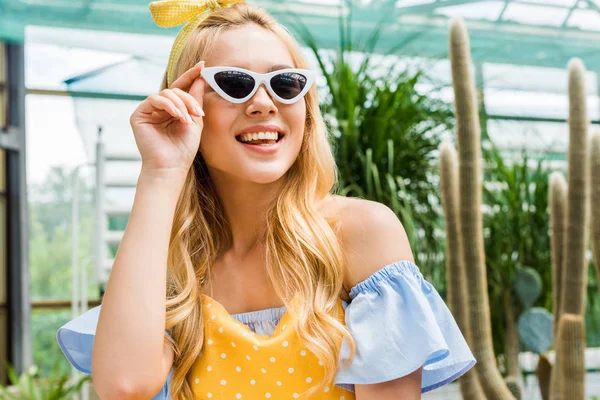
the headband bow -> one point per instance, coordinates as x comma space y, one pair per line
169, 13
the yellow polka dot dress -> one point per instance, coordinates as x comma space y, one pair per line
398, 320
237, 363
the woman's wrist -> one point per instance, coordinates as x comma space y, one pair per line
172, 178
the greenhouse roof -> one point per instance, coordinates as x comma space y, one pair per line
523, 32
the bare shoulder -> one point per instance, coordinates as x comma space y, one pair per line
371, 234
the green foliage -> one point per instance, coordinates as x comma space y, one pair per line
385, 135
30, 387
517, 234
515, 231
50, 267
50, 235
592, 315
44, 325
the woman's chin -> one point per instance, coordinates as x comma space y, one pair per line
264, 177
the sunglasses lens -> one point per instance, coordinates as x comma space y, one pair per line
236, 84
288, 85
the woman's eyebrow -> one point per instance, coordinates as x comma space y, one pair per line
278, 66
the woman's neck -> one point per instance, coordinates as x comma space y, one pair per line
245, 205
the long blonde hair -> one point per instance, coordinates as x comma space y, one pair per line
303, 252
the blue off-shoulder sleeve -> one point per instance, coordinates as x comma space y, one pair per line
76, 340
400, 323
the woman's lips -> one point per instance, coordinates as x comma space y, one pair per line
262, 149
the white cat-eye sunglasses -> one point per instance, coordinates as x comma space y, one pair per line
238, 85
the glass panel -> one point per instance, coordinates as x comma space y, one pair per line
48, 66
535, 104
487, 10
535, 15
537, 136
407, 3
560, 3
535, 79
113, 117
79, 60
51, 133
585, 19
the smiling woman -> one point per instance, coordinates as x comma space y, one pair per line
267, 284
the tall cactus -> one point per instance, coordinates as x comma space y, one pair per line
471, 226
558, 212
456, 276
511, 340
557, 200
574, 269
514, 387
571, 346
595, 199
543, 373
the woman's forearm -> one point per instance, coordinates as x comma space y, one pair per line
128, 346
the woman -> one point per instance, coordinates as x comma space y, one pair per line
267, 284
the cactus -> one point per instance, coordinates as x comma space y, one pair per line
535, 324
543, 372
456, 276
558, 212
575, 278
558, 207
595, 199
528, 286
571, 346
535, 329
471, 222
513, 385
511, 338
573, 282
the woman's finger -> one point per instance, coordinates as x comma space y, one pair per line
197, 91
155, 102
185, 81
169, 94
191, 103
160, 116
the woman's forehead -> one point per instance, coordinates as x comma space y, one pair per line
250, 47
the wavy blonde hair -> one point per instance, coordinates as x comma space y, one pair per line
303, 252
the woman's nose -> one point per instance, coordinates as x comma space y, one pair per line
262, 102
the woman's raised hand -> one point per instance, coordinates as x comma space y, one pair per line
167, 126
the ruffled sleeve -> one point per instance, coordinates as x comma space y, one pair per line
76, 340
400, 323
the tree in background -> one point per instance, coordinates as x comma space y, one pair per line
50, 258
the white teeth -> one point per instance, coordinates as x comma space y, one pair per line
247, 137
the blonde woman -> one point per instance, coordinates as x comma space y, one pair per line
239, 275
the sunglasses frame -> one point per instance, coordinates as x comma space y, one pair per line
209, 73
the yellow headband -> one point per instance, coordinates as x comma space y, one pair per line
169, 13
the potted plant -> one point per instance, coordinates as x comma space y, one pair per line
31, 387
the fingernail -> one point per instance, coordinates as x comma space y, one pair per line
188, 118
199, 111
